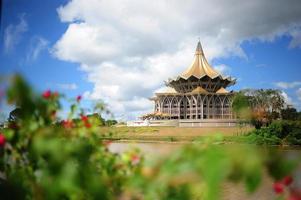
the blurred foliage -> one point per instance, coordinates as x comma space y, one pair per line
241, 106
279, 132
42, 158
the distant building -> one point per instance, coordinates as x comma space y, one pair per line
137, 123
199, 93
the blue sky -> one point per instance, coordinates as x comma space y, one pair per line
43, 71
123, 53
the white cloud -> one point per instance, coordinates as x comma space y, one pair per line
288, 85
223, 69
287, 99
13, 34
67, 86
37, 45
129, 48
88, 44
296, 41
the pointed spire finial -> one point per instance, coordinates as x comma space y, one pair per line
199, 49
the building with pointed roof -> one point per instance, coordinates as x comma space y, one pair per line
196, 94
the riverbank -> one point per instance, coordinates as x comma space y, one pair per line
172, 134
160, 151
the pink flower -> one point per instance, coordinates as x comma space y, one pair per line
46, 94
135, 159
2, 140
78, 98
278, 187
106, 143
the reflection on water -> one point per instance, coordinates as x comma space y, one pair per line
231, 191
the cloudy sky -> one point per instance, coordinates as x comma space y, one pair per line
122, 51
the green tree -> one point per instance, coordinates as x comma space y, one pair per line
111, 122
241, 106
260, 106
289, 113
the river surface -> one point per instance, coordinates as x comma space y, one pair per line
230, 191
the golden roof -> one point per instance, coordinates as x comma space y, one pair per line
222, 90
167, 90
199, 90
200, 66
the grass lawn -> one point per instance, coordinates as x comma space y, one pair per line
170, 133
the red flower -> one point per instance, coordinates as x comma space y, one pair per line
87, 125
287, 180
2, 140
278, 187
78, 98
84, 118
135, 159
67, 123
294, 195
47, 94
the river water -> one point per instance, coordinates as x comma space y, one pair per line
230, 191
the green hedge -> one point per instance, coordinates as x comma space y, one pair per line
278, 132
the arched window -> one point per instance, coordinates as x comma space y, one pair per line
166, 106
182, 106
193, 109
218, 108
199, 107
205, 108
188, 107
174, 108
211, 107
157, 106
227, 108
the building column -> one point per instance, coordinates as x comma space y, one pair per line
190, 107
196, 108
189, 102
208, 108
184, 107
222, 104
178, 107
161, 106
202, 109
169, 109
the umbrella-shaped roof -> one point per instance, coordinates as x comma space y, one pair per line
200, 68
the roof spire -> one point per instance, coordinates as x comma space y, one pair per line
199, 49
